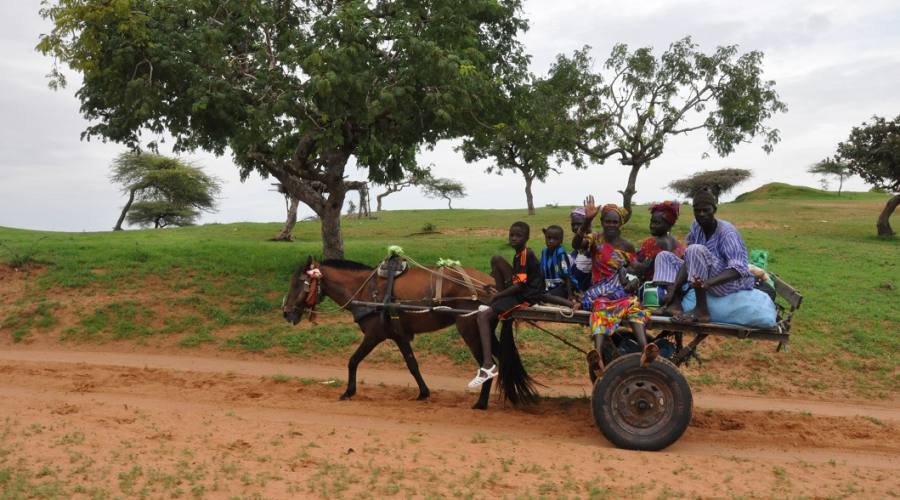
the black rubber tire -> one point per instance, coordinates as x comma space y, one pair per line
642, 408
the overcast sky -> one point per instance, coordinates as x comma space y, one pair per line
835, 63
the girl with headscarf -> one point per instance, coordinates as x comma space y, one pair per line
580, 258
610, 297
663, 216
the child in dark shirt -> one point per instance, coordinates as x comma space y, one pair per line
524, 287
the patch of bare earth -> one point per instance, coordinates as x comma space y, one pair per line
172, 431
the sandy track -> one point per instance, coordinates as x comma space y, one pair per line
888, 412
126, 424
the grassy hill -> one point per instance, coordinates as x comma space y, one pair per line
219, 286
780, 190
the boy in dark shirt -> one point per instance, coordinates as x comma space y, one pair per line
524, 287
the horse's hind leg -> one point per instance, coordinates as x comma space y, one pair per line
406, 349
370, 340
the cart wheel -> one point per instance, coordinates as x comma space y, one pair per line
642, 408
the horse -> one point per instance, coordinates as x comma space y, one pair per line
344, 281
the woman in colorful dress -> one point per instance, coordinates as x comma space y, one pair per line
662, 217
610, 297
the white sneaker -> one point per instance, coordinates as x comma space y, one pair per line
483, 376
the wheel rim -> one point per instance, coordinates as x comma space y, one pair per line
643, 403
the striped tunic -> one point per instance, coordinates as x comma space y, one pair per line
555, 265
706, 258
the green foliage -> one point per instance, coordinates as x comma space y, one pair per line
294, 89
161, 214
162, 191
441, 187
531, 125
719, 182
830, 166
873, 152
649, 99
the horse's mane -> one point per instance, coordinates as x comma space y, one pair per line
346, 264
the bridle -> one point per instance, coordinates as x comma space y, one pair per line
312, 286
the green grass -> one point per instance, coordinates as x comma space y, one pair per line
222, 284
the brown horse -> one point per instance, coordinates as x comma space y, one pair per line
344, 281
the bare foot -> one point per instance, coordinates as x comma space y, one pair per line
690, 318
595, 364
669, 310
651, 351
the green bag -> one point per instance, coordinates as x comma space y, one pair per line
760, 258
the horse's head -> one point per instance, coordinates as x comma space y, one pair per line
305, 292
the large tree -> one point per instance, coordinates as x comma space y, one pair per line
532, 125
295, 89
718, 182
645, 100
873, 152
162, 191
830, 166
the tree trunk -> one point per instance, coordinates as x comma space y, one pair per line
449, 202
287, 232
528, 196
379, 198
884, 220
629, 191
332, 239
125, 209
363, 210
840, 184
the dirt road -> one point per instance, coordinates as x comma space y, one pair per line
113, 424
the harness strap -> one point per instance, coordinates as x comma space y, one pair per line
439, 289
468, 281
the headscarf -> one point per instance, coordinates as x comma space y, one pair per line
705, 196
612, 207
577, 212
668, 208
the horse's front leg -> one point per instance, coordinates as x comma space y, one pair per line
406, 349
371, 339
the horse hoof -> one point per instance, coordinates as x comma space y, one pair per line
479, 406
345, 397
423, 396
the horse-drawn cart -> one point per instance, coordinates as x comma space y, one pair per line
636, 407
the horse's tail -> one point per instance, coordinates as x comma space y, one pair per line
515, 383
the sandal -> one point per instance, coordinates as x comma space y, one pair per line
483, 376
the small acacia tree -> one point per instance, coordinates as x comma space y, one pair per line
414, 177
531, 126
440, 187
718, 182
649, 99
830, 166
294, 89
873, 152
162, 191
